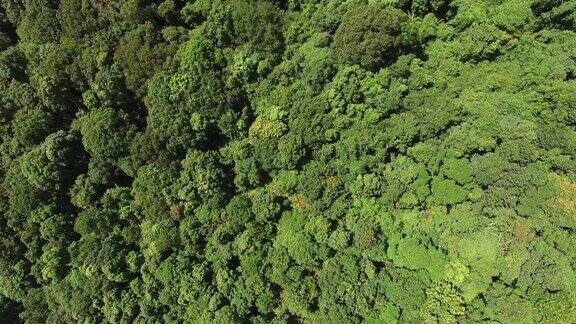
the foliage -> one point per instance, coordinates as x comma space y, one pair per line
311, 161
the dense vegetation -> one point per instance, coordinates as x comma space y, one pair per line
319, 161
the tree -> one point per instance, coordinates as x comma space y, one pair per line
371, 36
52, 165
39, 22
107, 134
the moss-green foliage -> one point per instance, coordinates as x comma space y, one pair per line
106, 134
371, 35
316, 161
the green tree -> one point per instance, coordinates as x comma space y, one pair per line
372, 36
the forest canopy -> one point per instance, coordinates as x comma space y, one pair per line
286, 161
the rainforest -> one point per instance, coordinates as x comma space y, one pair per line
287, 161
